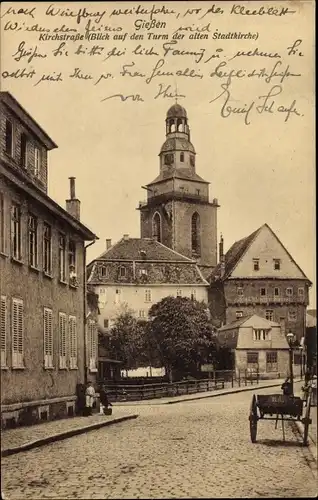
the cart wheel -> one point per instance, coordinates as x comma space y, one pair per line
307, 420
253, 418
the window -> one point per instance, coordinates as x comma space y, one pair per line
269, 314
147, 295
142, 313
117, 296
179, 293
195, 233
252, 358
2, 225
156, 227
193, 294
271, 361
102, 291
103, 272
263, 292
256, 264
106, 323
276, 292
72, 333
122, 272
292, 315
33, 241
143, 272
17, 334
277, 264
47, 249
261, 334
48, 338
289, 292
3, 330
24, 151
16, 232
62, 250
92, 344
192, 161
72, 261
301, 292
239, 291
239, 314
9, 138
182, 157
168, 159
198, 192
62, 340
37, 161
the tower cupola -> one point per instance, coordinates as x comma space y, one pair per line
177, 150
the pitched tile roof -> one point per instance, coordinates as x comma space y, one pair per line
233, 255
142, 249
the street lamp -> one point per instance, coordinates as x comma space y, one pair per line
290, 338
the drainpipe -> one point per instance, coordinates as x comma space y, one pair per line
85, 309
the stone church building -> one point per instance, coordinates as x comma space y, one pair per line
178, 212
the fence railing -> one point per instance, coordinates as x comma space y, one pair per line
119, 391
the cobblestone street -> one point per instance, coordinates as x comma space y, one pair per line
196, 449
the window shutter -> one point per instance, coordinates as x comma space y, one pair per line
92, 344
17, 333
3, 330
62, 340
48, 338
73, 342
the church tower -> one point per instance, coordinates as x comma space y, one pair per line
178, 212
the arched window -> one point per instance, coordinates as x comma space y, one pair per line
172, 126
182, 157
179, 125
195, 233
156, 227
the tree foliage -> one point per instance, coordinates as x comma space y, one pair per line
127, 340
180, 332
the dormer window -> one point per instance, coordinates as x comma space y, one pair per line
239, 291
261, 334
256, 264
9, 138
122, 272
277, 264
143, 272
182, 157
103, 271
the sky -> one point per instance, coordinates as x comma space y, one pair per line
260, 173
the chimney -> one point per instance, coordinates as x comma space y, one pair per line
73, 205
126, 237
221, 256
108, 244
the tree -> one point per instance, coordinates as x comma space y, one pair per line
127, 339
180, 332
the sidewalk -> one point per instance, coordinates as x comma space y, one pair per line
25, 438
263, 384
312, 431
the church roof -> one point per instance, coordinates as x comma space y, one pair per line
176, 111
180, 173
177, 144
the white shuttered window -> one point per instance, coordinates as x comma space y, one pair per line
72, 332
48, 338
3, 330
62, 340
92, 344
17, 334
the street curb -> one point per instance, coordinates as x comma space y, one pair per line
63, 435
312, 445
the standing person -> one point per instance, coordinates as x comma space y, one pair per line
104, 398
90, 398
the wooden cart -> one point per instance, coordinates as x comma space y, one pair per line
280, 407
